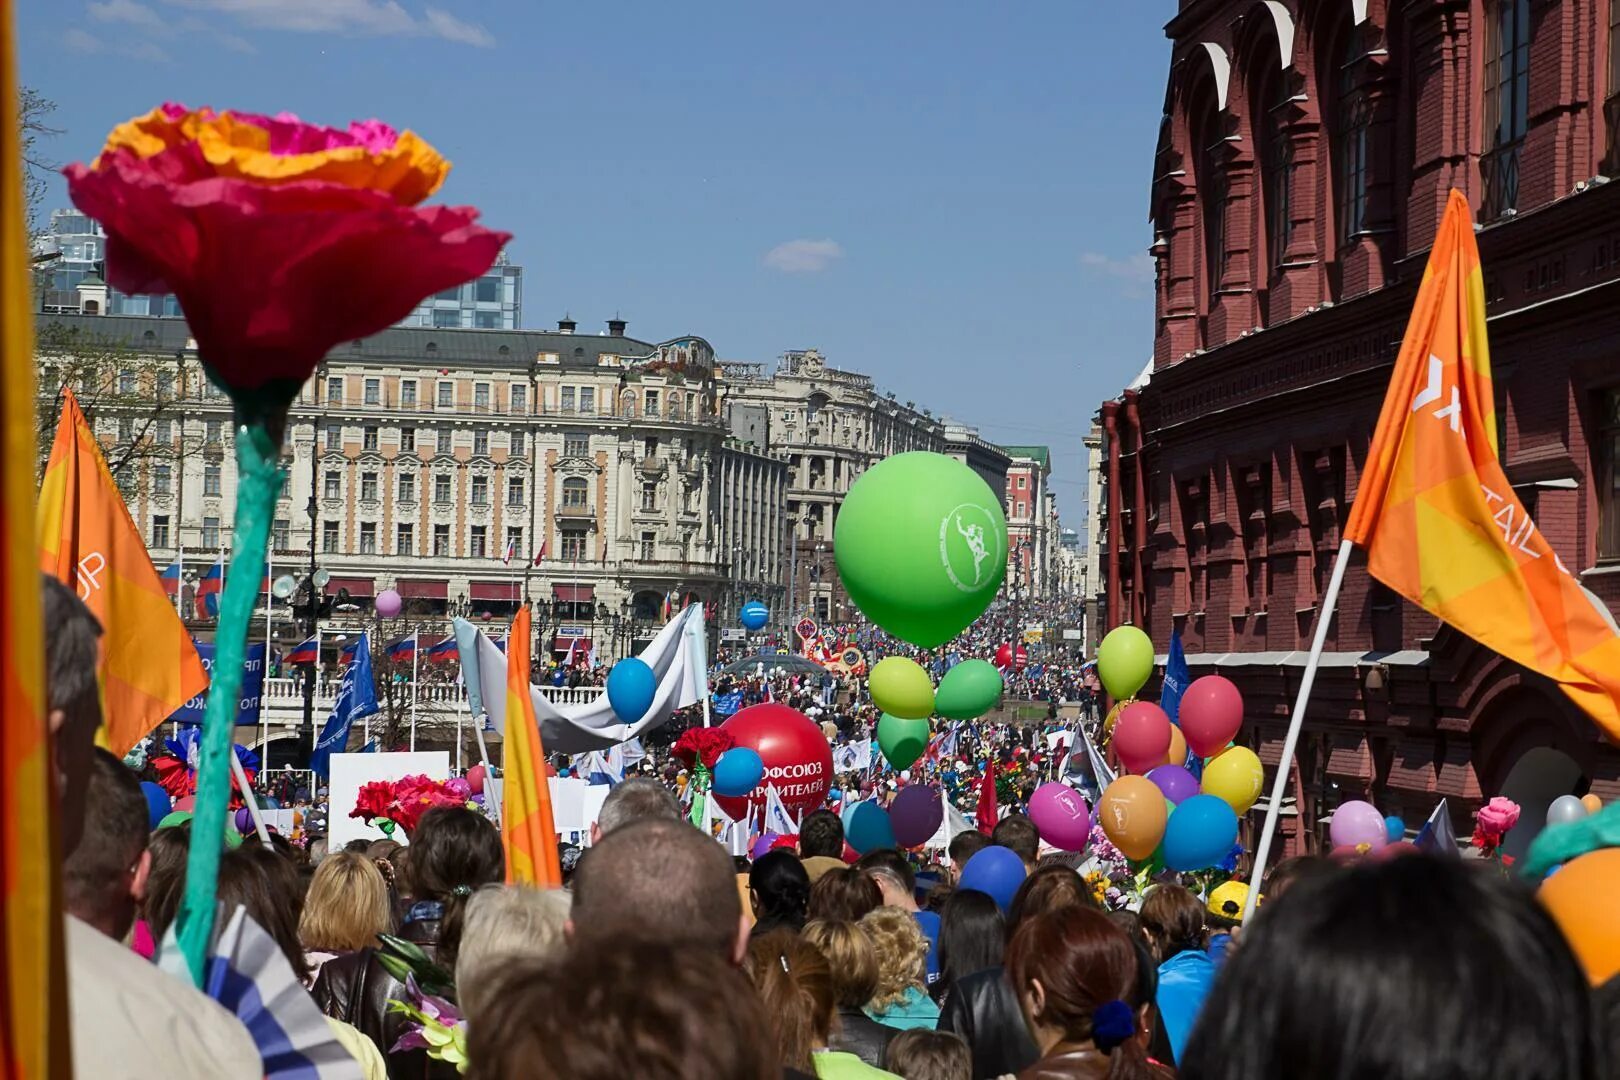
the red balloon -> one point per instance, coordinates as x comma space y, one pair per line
1004, 656
475, 779
798, 761
1142, 736
1211, 714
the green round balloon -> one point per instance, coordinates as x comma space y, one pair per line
968, 690
1124, 661
901, 687
902, 740
921, 546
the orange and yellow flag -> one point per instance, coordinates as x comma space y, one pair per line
149, 666
527, 828
1437, 515
33, 968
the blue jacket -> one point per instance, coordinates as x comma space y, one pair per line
1184, 982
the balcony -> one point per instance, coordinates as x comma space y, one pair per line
1499, 172
575, 512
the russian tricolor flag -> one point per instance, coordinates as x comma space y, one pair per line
403, 649
442, 650
171, 578
346, 653
208, 589
305, 652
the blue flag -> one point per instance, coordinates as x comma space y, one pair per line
1176, 678
247, 709
357, 697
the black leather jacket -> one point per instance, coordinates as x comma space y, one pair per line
862, 1036
356, 988
983, 1009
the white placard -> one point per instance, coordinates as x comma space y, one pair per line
351, 772
575, 806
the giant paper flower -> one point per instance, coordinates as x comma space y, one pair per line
281, 239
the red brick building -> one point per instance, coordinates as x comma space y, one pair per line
1304, 158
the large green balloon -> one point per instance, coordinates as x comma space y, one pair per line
1124, 661
901, 740
901, 687
968, 690
921, 545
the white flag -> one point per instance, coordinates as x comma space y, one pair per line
777, 818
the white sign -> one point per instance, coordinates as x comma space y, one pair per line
733, 634
351, 772
575, 806
571, 631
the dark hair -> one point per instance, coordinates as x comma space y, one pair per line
97, 875
1291, 870
921, 1054
1174, 920
782, 887
166, 880
821, 833
1606, 1009
1378, 968
71, 661
605, 1012
269, 887
843, 894
1082, 962
972, 936
453, 852
1049, 888
1019, 835
795, 984
965, 845
891, 864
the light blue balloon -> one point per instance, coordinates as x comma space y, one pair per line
869, 828
1396, 828
1200, 833
754, 615
738, 772
630, 689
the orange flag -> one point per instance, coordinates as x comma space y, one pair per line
1437, 515
149, 666
33, 969
526, 824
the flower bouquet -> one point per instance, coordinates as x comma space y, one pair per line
700, 748
391, 804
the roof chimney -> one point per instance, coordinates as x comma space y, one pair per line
616, 327
565, 325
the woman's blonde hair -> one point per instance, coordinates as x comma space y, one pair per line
849, 951
346, 907
901, 952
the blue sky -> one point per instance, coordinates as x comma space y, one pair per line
950, 196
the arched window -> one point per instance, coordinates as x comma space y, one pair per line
575, 491
1208, 146
1507, 103
1352, 121
1276, 150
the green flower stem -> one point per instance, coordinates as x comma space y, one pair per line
700, 794
260, 479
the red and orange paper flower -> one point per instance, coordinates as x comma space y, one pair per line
281, 239
386, 803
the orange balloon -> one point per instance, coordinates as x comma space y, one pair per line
1133, 815
1592, 803
1579, 897
1178, 747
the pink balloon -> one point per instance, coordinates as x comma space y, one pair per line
475, 779
1353, 826
1061, 815
1142, 736
1211, 714
189, 802
388, 603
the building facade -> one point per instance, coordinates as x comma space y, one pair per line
1091, 587
988, 461
1304, 159
491, 301
1031, 521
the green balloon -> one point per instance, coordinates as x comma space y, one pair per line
901, 740
968, 690
1124, 661
900, 686
921, 546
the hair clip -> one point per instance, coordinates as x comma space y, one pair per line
1111, 1024
783, 958
461, 890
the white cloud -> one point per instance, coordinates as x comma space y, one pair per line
1137, 269
82, 41
129, 13
361, 17
79, 40
803, 256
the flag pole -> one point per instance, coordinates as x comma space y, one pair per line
415, 651
269, 603
1296, 720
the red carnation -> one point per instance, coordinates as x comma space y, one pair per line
705, 744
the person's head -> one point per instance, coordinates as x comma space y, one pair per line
316, 850
1075, 974
844, 894
821, 833
105, 876
795, 983
1223, 910
850, 954
504, 924
1048, 889
1173, 920
972, 935
660, 881
1019, 835
267, 885
779, 888
453, 852
72, 700
1280, 878
639, 798
1380, 968
921, 1054
166, 882
894, 877
346, 906
965, 845
605, 1012
901, 950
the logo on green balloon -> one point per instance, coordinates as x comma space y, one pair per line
965, 538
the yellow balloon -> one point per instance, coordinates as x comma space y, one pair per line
1178, 747
1113, 717
900, 687
1235, 776
1592, 803
1132, 813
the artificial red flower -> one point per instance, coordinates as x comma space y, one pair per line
706, 744
373, 801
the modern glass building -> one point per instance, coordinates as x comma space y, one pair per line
491, 302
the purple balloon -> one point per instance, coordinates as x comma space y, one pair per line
915, 815
1061, 815
763, 844
244, 820
1176, 782
1356, 823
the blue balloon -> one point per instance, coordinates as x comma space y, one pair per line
630, 689
995, 871
738, 772
869, 829
754, 615
157, 803
1396, 828
1200, 833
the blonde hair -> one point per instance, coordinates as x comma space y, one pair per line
795, 984
503, 924
901, 951
346, 906
854, 962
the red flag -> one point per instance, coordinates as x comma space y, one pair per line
987, 798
